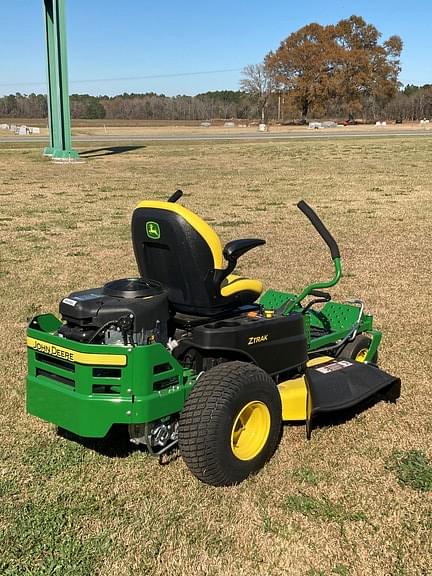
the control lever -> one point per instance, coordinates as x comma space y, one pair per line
320, 297
176, 196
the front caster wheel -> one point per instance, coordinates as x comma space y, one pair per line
230, 425
358, 349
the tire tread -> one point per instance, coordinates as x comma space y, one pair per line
211, 397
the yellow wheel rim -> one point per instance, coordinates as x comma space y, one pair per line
361, 355
250, 430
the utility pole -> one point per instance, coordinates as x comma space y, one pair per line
58, 90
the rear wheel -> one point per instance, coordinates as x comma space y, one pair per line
230, 425
358, 349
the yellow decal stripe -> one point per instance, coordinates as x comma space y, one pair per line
196, 222
74, 356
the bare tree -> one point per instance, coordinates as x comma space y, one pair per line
260, 83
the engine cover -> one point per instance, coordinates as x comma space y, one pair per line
130, 305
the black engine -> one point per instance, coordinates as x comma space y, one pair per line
126, 311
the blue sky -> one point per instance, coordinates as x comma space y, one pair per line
136, 39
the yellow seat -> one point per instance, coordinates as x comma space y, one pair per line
180, 250
236, 284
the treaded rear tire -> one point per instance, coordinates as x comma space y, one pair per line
208, 419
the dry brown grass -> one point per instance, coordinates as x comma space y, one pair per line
325, 507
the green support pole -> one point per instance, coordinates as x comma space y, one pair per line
58, 91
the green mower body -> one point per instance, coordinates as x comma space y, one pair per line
137, 353
86, 388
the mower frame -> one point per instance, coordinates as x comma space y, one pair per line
86, 388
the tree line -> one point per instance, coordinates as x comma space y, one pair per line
149, 106
409, 104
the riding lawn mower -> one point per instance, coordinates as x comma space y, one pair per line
191, 355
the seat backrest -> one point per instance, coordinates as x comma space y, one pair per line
178, 249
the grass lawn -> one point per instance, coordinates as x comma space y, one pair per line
354, 501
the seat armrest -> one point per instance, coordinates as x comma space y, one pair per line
236, 248
232, 252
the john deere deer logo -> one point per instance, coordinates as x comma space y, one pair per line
153, 230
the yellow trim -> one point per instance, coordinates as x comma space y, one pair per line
238, 284
361, 355
319, 360
293, 393
203, 229
74, 356
293, 397
250, 430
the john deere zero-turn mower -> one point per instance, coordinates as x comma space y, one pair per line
189, 353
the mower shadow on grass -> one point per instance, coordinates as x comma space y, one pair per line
109, 151
115, 444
